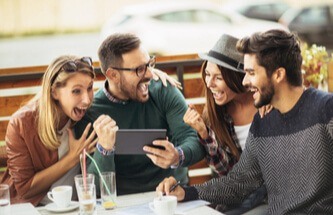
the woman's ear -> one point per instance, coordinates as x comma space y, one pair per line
54, 94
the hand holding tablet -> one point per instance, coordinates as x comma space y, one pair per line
132, 141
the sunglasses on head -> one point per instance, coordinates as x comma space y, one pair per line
73, 66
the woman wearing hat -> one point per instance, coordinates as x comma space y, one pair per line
227, 115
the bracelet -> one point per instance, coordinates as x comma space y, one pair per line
104, 151
181, 158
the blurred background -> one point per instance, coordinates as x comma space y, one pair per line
34, 32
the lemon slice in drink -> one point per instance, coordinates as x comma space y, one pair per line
108, 205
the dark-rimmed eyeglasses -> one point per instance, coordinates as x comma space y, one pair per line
72, 66
140, 70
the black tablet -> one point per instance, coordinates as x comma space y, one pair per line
132, 141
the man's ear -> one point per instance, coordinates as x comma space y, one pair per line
280, 75
112, 74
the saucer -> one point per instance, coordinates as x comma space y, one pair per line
53, 207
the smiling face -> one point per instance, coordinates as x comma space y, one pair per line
257, 81
75, 96
216, 84
131, 86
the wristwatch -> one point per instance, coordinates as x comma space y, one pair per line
104, 151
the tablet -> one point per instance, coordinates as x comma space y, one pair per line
132, 141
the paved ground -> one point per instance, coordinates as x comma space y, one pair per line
41, 50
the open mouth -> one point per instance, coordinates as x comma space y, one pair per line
217, 94
80, 111
143, 88
255, 92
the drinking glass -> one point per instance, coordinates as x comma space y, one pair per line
81, 180
87, 199
4, 199
108, 189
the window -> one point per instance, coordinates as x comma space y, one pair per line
206, 16
313, 16
178, 16
193, 16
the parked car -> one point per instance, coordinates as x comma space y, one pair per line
180, 27
313, 24
261, 9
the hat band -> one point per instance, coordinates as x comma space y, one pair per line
226, 59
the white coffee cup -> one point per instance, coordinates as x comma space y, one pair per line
164, 205
61, 196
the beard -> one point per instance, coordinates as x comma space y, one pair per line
131, 91
266, 96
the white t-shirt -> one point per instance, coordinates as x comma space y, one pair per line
68, 178
242, 131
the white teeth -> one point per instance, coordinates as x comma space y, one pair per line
143, 86
217, 93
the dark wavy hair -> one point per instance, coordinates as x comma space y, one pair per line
275, 49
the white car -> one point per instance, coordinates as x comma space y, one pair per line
181, 27
270, 10
313, 23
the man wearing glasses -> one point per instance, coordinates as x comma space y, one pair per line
133, 101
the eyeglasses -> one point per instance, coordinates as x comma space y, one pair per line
73, 66
140, 70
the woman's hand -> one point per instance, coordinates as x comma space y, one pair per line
265, 110
106, 128
158, 74
76, 146
166, 184
194, 119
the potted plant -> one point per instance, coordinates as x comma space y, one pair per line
315, 66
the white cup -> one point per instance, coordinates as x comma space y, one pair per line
61, 196
164, 205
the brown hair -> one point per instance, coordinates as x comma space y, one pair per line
213, 114
113, 47
274, 49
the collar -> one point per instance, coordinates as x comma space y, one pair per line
111, 97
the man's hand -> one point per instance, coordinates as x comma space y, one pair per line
106, 128
166, 184
163, 158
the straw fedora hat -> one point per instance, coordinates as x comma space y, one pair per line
225, 54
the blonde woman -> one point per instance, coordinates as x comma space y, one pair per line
41, 147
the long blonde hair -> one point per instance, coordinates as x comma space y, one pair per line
49, 111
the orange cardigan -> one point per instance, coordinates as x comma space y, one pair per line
26, 155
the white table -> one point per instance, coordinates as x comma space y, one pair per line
134, 204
